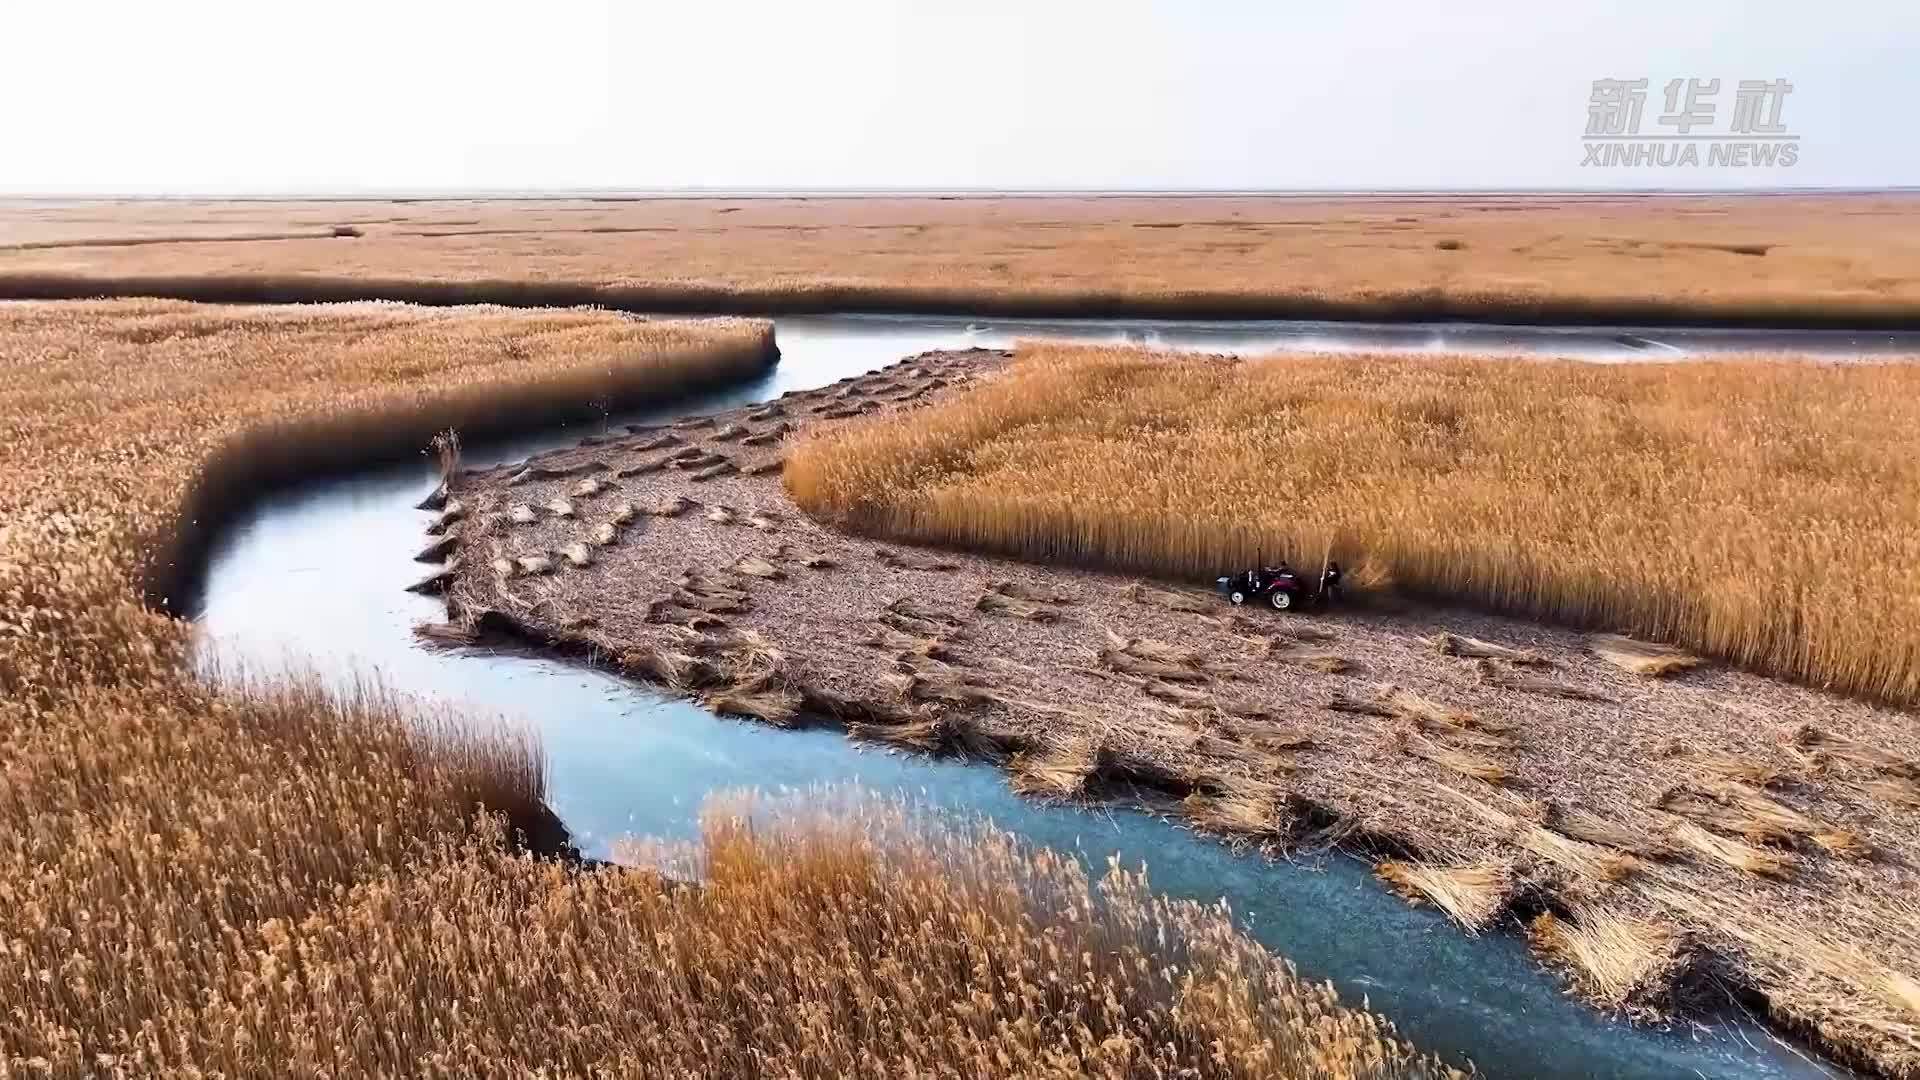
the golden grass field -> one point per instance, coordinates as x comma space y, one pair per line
1844, 260
1760, 511
267, 880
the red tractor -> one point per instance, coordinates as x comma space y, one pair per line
1280, 588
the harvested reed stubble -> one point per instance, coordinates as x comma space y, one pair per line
640, 468
1461, 645
754, 566
558, 508
898, 561
673, 506
1644, 658
455, 511
714, 471
604, 534
908, 607
722, 515
1020, 591
763, 521
440, 548
770, 436
730, 433
1163, 598
1726, 852
664, 440
1456, 760
1056, 770
522, 514
1471, 896
768, 412
445, 634
436, 583
588, 488
761, 468
1615, 960
996, 604
577, 554
1127, 663
818, 562
1594, 829
533, 564
1493, 675
1239, 814
1327, 663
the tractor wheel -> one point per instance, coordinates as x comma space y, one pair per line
1281, 599
1237, 598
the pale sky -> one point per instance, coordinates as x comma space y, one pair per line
241, 96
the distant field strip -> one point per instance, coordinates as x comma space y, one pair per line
1758, 510
1846, 262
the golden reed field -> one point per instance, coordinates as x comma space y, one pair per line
1850, 261
1761, 511
268, 880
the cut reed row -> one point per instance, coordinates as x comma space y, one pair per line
1757, 510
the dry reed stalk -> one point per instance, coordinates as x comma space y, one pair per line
1021, 591
1459, 761
1172, 601
1326, 663
455, 511
640, 468
897, 561
1471, 896
1057, 771
754, 566
1903, 793
1127, 663
1461, 645
909, 608
1245, 813
1584, 825
1616, 961
1644, 658
1492, 675
1849, 752
777, 706
1719, 768
996, 604
1731, 853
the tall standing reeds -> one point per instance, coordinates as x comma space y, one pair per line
1756, 510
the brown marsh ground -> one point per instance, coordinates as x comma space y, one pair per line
1677, 827
271, 880
1844, 260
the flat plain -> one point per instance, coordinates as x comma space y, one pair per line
1839, 260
